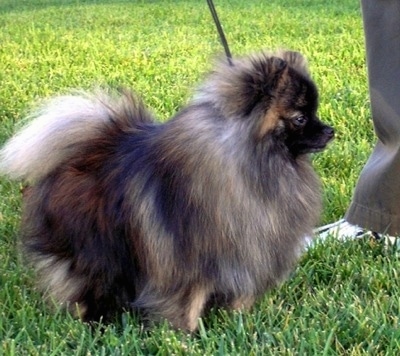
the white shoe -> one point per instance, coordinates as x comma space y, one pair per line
343, 230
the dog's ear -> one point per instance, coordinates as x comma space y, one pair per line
239, 88
263, 80
295, 60
252, 81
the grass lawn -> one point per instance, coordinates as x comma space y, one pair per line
344, 298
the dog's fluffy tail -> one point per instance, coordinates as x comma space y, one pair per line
60, 125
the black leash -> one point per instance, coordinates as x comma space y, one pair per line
220, 31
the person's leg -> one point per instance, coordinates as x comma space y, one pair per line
376, 200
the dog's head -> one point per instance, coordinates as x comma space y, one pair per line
275, 95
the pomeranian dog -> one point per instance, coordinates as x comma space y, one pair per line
211, 208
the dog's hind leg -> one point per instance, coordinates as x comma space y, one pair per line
242, 303
195, 306
181, 308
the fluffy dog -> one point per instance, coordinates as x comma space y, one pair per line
211, 207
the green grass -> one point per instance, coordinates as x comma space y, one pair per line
344, 298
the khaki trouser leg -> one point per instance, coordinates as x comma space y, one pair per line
376, 200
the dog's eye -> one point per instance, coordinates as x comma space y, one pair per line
300, 121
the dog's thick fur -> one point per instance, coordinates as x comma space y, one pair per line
212, 206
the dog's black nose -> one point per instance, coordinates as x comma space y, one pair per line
329, 131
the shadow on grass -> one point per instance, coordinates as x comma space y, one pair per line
26, 5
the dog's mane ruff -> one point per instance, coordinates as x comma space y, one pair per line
60, 124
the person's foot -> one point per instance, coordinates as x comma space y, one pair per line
343, 230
